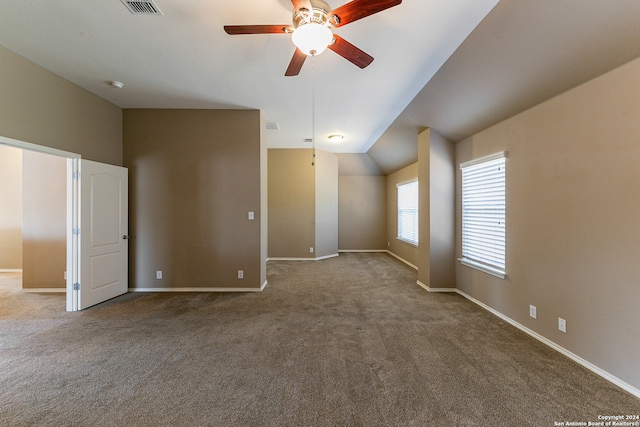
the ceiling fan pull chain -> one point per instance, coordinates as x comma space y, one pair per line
313, 110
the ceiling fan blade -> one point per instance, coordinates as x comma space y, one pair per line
358, 9
301, 4
296, 63
350, 52
257, 29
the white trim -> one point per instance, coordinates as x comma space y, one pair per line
44, 290
403, 260
429, 289
72, 258
328, 256
346, 250
590, 366
10, 270
260, 289
304, 259
485, 268
39, 148
422, 285
498, 155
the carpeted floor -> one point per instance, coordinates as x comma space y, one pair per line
348, 341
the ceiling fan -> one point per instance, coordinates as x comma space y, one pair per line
311, 29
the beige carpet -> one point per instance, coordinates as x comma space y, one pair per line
349, 341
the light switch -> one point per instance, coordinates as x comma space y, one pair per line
251, 216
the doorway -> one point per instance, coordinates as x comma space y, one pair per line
96, 226
33, 226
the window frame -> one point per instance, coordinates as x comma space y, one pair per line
408, 185
490, 244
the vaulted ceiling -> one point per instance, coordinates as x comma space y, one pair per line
457, 67
522, 54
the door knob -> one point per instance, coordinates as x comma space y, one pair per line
125, 237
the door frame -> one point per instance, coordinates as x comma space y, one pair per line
72, 200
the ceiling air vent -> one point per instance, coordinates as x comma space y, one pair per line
273, 126
146, 7
307, 140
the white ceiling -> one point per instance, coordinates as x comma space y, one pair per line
184, 59
455, 66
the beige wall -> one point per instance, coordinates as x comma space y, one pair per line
292, 198
442, 187
362, 199
11, 208
44, 220
436, 173
573, 233
40, 107
326, 178
264, 201
404, 250
303, 204
194, 176
362, 212
423, 261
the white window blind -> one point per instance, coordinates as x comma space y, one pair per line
483, 214
408, 212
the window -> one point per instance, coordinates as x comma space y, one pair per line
483, 214
408, 212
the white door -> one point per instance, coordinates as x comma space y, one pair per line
98, 253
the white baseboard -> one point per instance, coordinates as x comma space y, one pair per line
44, 290
10, 270
403, 260
395, 256
363, 250
590, 366
304, 259
260, 289
428, 289
327, 256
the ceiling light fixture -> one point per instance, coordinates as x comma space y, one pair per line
335, 138
312, 39
116, 84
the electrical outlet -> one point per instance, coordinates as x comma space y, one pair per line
533, 312
562, 325
311, 250
240, 274
159, 274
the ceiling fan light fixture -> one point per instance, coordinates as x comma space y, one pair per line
313, 38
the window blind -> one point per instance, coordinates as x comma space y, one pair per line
408, 212
483, 213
